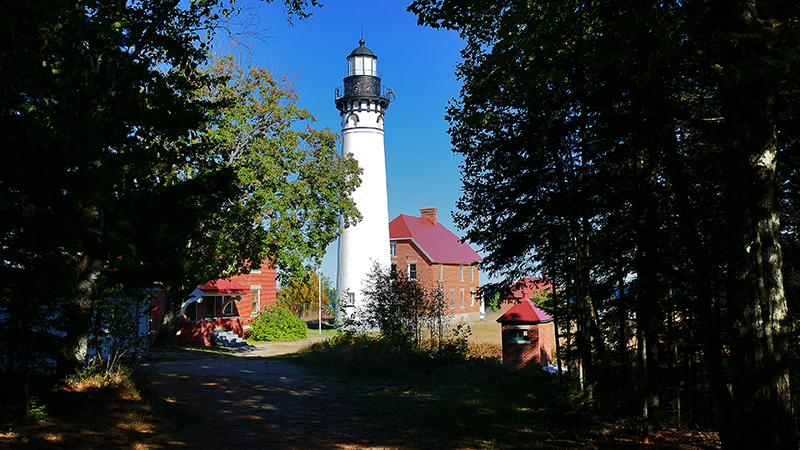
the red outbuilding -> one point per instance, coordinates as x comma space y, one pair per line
528, 336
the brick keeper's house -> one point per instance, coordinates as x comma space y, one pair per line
431, 254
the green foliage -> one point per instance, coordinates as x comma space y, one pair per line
457, 344
401, 309
291, 180
302, 295
115, 339
277, 324
636, 150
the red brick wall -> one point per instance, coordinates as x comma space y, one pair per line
269, 288
198, 334
428, 275
538, 351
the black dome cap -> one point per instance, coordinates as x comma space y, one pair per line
361, 50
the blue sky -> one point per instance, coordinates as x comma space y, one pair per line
418, 63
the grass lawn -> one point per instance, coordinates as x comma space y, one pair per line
477, 403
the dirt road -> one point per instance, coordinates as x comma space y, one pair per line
249, 400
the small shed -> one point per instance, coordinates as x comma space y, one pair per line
528, 336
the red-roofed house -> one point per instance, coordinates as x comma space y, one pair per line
433, 255
229, 305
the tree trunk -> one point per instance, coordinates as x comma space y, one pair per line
79, 318
622, 338
756, 298
704, 305
647, 263
172, 316
757, 304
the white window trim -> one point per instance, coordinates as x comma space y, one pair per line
441, 272
416, 270
461, 266
257, 289
462, 298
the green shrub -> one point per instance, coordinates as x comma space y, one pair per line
277, 324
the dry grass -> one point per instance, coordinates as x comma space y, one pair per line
102, 412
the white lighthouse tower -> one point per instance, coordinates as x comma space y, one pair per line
362, 103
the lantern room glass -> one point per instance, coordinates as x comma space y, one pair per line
362, 65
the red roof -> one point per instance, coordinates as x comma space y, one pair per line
525, 311
438, 243
527, 288
223, 287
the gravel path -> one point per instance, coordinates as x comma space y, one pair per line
252, 401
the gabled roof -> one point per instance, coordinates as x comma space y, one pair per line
525, 311
438, 243
526, 288
223, 287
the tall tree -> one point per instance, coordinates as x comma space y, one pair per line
99, 115
681, 101
292, 186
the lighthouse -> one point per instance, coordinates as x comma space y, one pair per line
362, 104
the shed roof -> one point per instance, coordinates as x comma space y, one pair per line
525, 311
223, 287
438, 243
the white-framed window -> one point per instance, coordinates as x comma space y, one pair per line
412, 271
227, 310
441, 272
519, 335
462, 272
393, 248
471, 297
472, 273
462, 298
255, 301
452, 299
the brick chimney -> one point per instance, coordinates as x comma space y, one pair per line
429, 213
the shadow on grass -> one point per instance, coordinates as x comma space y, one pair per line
114, 415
